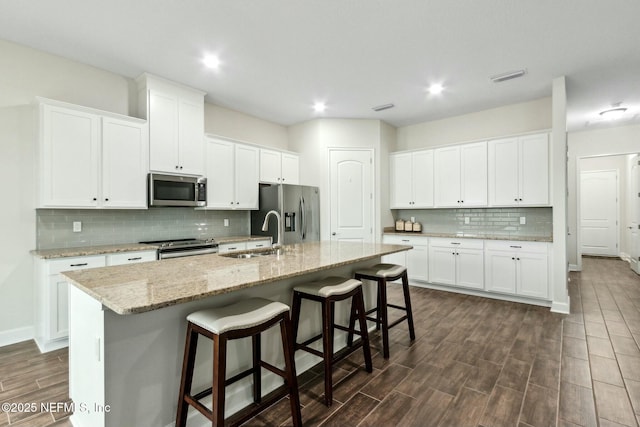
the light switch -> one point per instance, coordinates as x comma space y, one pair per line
523, 220
77, 226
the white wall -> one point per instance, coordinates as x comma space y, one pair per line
313, 139
496, 122
24, 74
590, 143
233, 124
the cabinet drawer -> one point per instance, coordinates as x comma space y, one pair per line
131, 257
76, 263
457, 243
232, 247
405, 240
508, 245
258, 244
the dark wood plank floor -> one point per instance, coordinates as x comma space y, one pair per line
475, 362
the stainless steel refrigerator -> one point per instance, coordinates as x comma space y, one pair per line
299, 207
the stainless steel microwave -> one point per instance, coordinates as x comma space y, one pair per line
177, 190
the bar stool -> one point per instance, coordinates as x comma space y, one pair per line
248, 318
327, 292
383, 273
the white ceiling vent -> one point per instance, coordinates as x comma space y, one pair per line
498, 78
383, 107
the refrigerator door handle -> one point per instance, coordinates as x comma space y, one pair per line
303, 219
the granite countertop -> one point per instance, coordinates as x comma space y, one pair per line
91, 250
137, 288
520, 238
125, 247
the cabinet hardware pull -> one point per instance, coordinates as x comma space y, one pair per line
513, 258
517, 247
455, 243
180, 167
134, 258
517, 259
94, 199
79, 265
520, 200
404, 240
176, 166
259, 246
106, 200
515, 200
232, 249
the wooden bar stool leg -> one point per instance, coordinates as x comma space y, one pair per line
219, 371
257, 378
352, 322
191, 344
358, 300
327, 337
384, 319
295, 316
407, 304
290, 369
378, 311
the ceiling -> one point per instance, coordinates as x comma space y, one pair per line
278, 57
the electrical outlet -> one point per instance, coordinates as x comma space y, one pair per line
413, 219
77, 226
466, 220
226, 222
523, 220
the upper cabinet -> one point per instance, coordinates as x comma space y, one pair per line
176, 125
278, 167
519, 171
90, 159
411, 180
461, 175
232, 174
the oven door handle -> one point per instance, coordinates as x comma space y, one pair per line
178, 254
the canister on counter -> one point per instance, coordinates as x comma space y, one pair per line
408, 226
417, 227
399, 225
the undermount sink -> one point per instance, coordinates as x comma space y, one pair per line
255, 254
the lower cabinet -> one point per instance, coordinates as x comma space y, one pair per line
416, 259
503, 267
224, 248
456, 262
518, 268
52, 305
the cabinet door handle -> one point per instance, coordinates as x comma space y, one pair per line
455, 243
106, 200
82, 264
515, 200
259, 246
180, 167
404, 240
134, 258
95, 199
513, 258
517, 259
516, 247
177, 167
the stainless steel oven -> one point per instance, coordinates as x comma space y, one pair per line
176, 190
183, 247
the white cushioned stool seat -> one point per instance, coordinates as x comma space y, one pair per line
383, 270
329, 286
241, 315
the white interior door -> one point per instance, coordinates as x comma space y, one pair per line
351, 195
635, 215
599, 212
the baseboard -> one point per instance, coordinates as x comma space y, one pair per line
561, 307
17, 335
625, 257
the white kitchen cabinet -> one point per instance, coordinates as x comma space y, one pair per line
125, 154
91, 159
416, 259
460, 175
52, 310
411, 179
278, 167
232, 174
259, 244
224, 248
519, 268
456, 262
176, 125
519, 171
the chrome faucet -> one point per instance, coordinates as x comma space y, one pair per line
265, 226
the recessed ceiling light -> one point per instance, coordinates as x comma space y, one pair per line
435, 89
319, 107
613, 113
211, 61
508, 76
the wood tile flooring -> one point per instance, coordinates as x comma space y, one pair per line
475, 362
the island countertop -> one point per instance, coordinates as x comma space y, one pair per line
138, 288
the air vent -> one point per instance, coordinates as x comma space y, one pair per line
383, 107
498, 78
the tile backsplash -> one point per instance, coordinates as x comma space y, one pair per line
493, 221
106, 227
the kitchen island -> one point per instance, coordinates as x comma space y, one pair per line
127, 326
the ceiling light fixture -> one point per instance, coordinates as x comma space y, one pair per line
211, 61
382, 107
498, 78
319, 107
435, 89
613, 113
